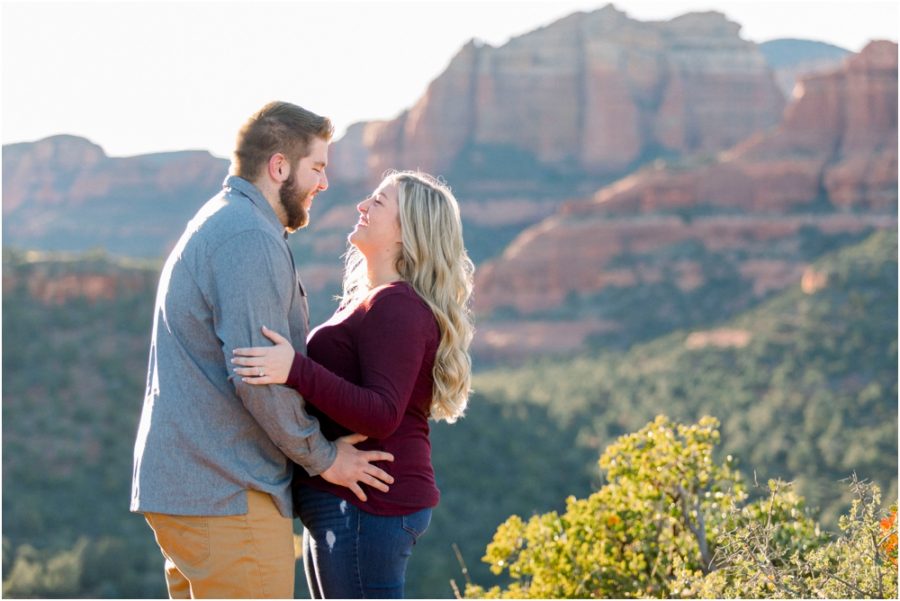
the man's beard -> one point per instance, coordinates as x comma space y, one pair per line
291, 197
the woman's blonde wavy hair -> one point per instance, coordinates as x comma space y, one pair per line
435, 262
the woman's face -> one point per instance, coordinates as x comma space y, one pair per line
378, 228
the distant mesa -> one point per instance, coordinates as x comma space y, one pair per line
65, 193
827, 172
591, 94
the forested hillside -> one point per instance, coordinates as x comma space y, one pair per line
795, 381
74, 365
805, 388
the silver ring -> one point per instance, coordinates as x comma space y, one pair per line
261, 372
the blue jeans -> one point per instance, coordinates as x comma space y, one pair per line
349, 553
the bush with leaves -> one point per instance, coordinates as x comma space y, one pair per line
42, 574
671, 522
652, 530
757, 561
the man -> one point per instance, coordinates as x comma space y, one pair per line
213, 456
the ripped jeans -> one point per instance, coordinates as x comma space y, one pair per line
349, 553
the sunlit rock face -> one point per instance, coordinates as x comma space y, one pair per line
794, 59
829, 167
65, 193
593, 93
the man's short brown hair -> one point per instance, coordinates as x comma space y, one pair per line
277, 127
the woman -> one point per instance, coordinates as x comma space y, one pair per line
394, 354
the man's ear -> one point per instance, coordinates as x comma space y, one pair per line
279, 167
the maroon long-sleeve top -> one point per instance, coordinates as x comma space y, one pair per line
369, 371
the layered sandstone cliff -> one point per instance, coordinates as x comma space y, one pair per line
592, 93
72, 170
64, 193
836, 146
827, 173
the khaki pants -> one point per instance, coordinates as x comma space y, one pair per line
239, 556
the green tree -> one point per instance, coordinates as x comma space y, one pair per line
652, 525
672, 523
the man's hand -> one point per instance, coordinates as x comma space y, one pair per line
352, 466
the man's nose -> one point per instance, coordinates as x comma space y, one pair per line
323, 185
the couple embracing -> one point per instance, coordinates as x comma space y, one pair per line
249, 419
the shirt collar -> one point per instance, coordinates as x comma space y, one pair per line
246, 188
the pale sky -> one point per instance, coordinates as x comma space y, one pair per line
141, 77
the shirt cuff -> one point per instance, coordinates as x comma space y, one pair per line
322, 454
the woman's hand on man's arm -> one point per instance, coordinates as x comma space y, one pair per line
265, 364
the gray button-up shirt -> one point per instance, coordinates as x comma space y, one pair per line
204, 437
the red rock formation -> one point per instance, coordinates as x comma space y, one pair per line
72, 171
842, 128
794, 59
837, 144
813, 281
576, 254
57, 281
64, 193
721, 338
60, 289
513, 341
590, 93
838, 140
32, 171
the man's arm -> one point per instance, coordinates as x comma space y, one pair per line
253, 283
